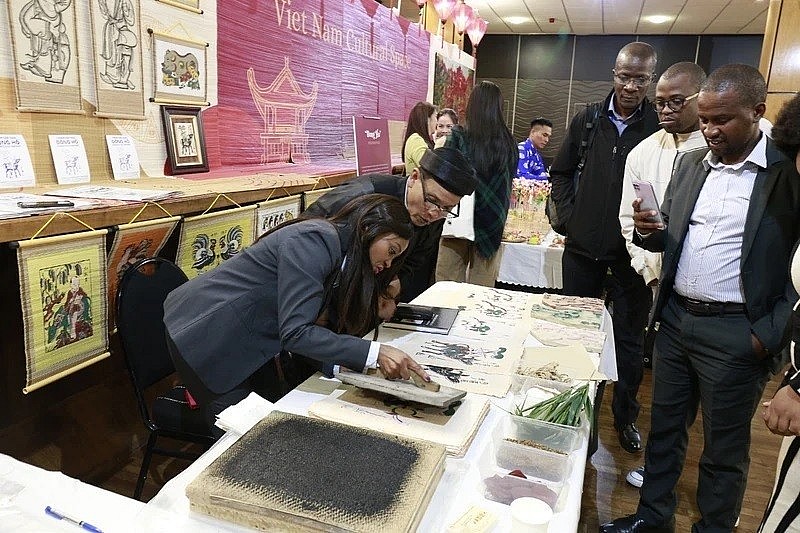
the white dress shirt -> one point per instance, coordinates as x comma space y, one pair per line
651, 160
709, 268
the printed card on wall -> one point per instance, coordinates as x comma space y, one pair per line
208, 240
63, 294
69, 158
132, 243
275, 212
16, 160
372, 145
124, 159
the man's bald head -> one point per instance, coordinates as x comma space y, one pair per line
638, 52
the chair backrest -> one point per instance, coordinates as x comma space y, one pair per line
140, 319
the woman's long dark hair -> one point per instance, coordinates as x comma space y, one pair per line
491, 145
418, 123
370, 217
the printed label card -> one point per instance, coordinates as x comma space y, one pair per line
69, 158
17, 168
124, 159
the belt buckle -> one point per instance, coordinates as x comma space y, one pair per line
707, 308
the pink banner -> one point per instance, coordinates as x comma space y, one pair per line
293, 73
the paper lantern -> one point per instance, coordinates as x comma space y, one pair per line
462, 15
476, 29
444, 8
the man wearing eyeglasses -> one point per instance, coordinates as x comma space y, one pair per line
430, 192
588, 200
728, 226
653, 159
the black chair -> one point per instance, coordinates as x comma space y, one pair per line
140, 299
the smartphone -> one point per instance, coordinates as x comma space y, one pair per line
645, 191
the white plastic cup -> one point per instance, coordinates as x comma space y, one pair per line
530, 515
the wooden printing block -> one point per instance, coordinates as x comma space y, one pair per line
438, 396
293, 473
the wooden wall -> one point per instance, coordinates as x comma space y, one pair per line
780, 54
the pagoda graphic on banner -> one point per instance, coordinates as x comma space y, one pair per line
285, 109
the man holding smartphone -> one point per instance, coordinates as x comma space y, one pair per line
652, 159
731, 218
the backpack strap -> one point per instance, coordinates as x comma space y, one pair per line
590, 127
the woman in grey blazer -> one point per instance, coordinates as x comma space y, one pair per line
309, 287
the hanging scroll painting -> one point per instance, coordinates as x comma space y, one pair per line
45, 49
180, 70
118, 58
189, 5
208, 240
309, 197
452, 83
273, 213
63, 295
132, 243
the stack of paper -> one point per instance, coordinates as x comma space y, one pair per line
242, 416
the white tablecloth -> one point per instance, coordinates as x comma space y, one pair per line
532, 265
26, 490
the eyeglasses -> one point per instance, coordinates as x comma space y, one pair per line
638, 82
431, 205
675, 104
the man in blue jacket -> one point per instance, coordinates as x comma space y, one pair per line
531, 165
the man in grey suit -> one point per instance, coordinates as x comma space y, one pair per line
430, 193
730, 219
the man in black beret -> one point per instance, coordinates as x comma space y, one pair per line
430, 193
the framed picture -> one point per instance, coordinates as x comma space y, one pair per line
179, 70
183, 133
190, 5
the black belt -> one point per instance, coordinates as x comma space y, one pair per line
700, 308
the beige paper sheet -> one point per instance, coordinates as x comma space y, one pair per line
572, 360
552, 334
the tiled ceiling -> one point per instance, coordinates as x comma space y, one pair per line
584, 17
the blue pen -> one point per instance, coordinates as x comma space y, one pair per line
80, 523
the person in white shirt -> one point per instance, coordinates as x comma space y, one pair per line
653, 159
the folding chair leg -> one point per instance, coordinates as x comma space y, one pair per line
148, 456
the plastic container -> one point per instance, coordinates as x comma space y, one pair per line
534, 460
557, 437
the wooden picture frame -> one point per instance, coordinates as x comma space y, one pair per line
183, 135
180, 70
